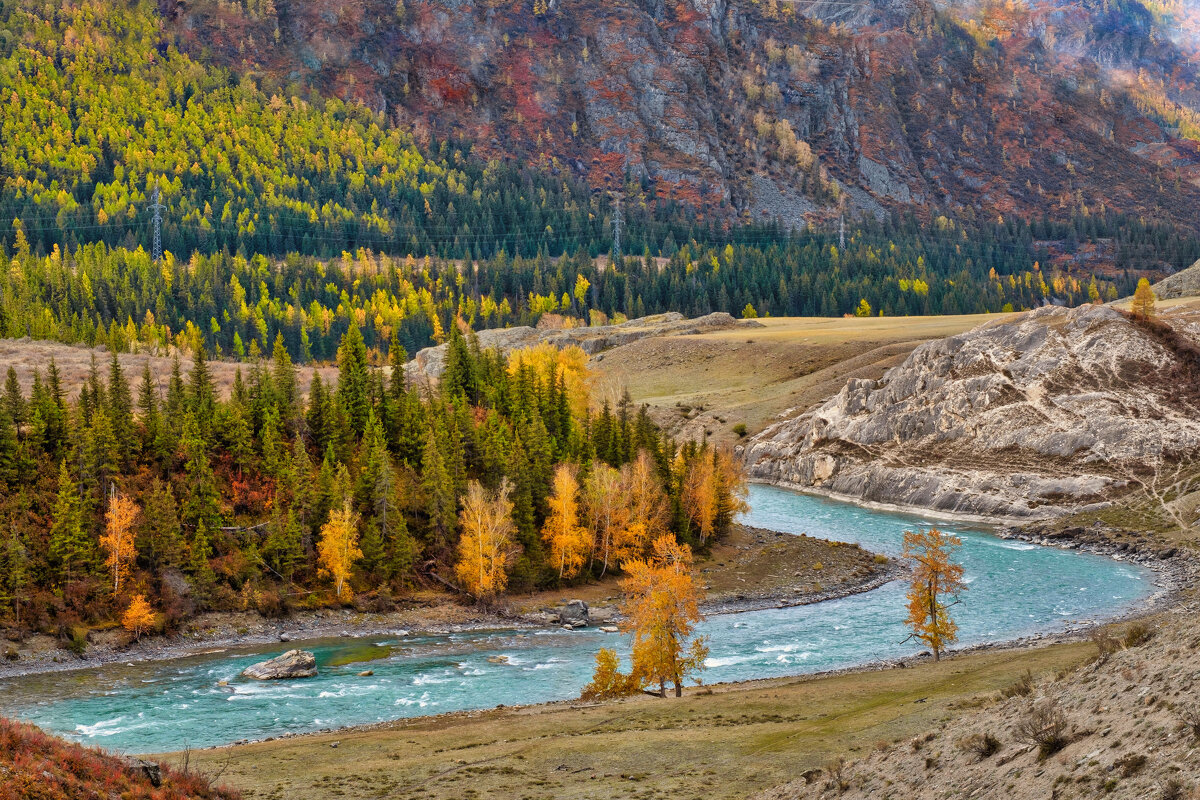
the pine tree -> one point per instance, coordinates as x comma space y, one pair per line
352, 379
202, 501
14, 573
160, 540
120, 410
201, 396
148, 409
283, 379
437, 491
72, 550
14, 401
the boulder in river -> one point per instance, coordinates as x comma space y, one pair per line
574, 613
292, 664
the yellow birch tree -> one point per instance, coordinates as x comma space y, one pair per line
487, 547
567, 539
118, 538
337, 550
607, 513
1143, 300
139, 617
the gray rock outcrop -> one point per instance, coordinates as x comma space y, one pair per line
1020, 420
290, 665
1185, 283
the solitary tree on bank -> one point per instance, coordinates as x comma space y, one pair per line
936, 579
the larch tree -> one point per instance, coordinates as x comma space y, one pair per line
487, 546
699, 495
567, 539
139, 617
649, 508
118, 538
607, 513
337, 549
1143, 300
661, 608
936, 583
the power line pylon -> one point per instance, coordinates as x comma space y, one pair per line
157, 208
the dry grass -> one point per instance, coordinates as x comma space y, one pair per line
730, 743
74, 363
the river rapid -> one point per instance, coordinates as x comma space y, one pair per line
1015, 589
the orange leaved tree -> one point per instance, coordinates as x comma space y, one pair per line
117, 539
568, 540
139, 617
661, 608
648, 508
936, 584
487, 547
1143, 300
337, 550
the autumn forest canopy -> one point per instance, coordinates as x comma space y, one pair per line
506, 477
288, 212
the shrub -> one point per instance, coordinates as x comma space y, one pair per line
1044, 724
1131, 765
981, 745
1137, 634
608, 682
740, 429
1190, 716
75, 640
1022, 688
1106, 643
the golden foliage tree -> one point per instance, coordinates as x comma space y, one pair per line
699, 495
661, 608
570, 363
567, 539
648, 507
607, 513
139, 617
487, 547
1143, 300
337, 550
118, 538
608, 681
936, 578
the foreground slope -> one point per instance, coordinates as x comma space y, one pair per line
1021, 419
36, 766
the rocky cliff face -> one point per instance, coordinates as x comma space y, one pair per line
1020, 419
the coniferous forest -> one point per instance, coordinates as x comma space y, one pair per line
200, 503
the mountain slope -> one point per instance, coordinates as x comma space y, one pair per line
764, 110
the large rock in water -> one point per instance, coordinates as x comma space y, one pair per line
574, 613
292, 664
1020, 419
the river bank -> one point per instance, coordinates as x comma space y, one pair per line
751, 569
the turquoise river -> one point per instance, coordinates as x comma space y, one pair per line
1015, 589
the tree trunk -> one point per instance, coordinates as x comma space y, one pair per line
678, 689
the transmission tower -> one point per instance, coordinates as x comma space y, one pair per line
157, 208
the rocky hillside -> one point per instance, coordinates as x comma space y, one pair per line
1125, 727
762, 109
1025, 418
1185, 283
